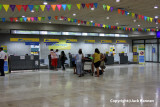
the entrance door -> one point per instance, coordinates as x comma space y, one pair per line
151, 52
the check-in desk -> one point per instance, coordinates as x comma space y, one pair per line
109, 59
123, 58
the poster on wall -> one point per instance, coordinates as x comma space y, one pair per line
62, 45
141, 54
6, 68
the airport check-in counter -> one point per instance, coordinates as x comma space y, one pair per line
31, 62
123, 58
109, 59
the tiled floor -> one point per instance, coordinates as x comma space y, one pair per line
46, 88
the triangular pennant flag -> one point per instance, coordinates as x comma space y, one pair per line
104, 25
72, 20
133, 15
32, 18
53, 7
6, 6
42, 7
122, 12
148, 18
139, 16
108, 8
155, 20
30, 7
12, 7
28, 18
107, 26
90, 23
111, 27
93, 24
85, 22
81, 22
25, 7
43, 18
69, 6
142, 17
130, 14
79, 6
98, 25
126, 28
118, 28
126, 13
0, 7
95, 5
21, 19
136, 15
3, 19
15, 19
111, 9
19, 7
75, 20
36, 7
83, 5
56, 17
48, 7
39, 18
65, 18
64, 6
119, 11
62, 17
25, 19
151, 19
145, 17
87, 5
49, 17
104, 6
35, 18
129, 29
91, 4
11, 19
59, 6
101, 25
69, 19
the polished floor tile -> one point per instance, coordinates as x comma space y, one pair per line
46, 88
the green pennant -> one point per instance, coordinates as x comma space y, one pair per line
0, 7
130, 14
36, 7
143, 29
69, 6
90, 23
104, 7
43, 18
121, 28
107, 26
72, 20
148, 18
21, 19
0, 19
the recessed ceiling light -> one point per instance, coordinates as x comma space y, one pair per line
32, 11
91, 21
134, 20
117, 23
92, 8
157, 27
117, 0
156, 7
139, 25
157, 23
127, 13
78, 24
74, 14
16, 20
45, 3
49, 22
107, 17
156, 17
23, 16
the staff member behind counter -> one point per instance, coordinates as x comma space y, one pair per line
2, 58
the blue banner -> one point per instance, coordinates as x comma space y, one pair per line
31, 43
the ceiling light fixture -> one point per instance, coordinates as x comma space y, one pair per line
156, 7
157, 23
107, 18
134, 21
32, 11
92, 8
117, 23
156, 17
74, 14
45, 3
23, 16
49, 22
139, 25
157, 27
91, 21
117, 0
78, 24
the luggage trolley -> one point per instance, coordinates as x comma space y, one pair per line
88, 66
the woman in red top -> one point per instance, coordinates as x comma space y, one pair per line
53, 59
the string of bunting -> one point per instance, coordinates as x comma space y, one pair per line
133, 15
88, 5
36, 7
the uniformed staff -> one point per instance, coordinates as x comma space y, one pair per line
2, 58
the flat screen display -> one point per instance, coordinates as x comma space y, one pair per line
158, 34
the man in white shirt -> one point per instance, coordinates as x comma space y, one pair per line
2, 58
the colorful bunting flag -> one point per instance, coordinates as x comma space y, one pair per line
6, 6
28, 18
95, 5
25, 7
79, 6
37, 8
12, 7
43, 18
21, 19
53, 7
56, 17
119, 11
59, 7
15, 19
49, 17
25, 19
39, 18
1, 7
108, 8
122, 12
111, 9
64, 6
151, 19
69, 19
48, 7
19, 7
148, 18
42, 7
3, 19
133, 15
83, 5
30, 7
69, 6
91, 4
104, 6
35, 18
32, 18
11, 19
87, 5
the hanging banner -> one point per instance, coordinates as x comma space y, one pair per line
106, 41
90, 41
121, 42
71, 40
24, 39
51, 40
62, 45
141, 54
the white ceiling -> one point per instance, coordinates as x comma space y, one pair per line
143, 7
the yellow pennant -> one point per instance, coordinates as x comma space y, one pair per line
149, 30
151, 19
69, 19
79, 6
108, 8
42, 7
87, 23
104, 25
6, 6
133, 15
118, 28
39, 18
133, 29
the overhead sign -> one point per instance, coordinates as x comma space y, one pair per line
121, 42
106, 41
24, 39
89, 41
71, 40
62, 45
51, 40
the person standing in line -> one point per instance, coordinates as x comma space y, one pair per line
2, 58
79, 64
97, 60
57, 59
63, 59
53, 59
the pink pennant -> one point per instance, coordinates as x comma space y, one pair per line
11, 19
81, 22
129, 29
142, 17
32, 18
59, 6
25, 7
98, 25
122, 12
